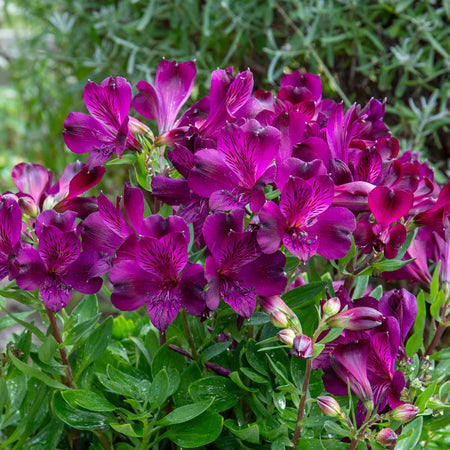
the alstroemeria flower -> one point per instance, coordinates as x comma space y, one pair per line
59, 265
10, 228
106, 132
237, 271
173, 86
304, 221
160, 277
235, 174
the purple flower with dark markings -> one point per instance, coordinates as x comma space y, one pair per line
237, 271
236, 173
59, 265
10, 229
304, 221
173, 86
107, 132
161, 275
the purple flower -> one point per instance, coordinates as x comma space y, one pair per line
58, 265
329, 406
356, 319
236, 173
106, 132
160, 276
173, 86
304, 222
302, 347
10, 229
236, 269
404, 412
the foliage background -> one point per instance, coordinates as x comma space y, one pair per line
362, 49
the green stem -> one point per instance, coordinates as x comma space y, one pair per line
353, 444
188, 332
301, 406
103, 439
62, 349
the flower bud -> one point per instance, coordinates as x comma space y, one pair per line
302, 347
404, 413
356, 319
281, 315
330, 407
387, 436
28, 206
137, 127
287, 336
331, 307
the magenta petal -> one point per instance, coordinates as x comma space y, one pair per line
291, 125
156, 226
333, 228
266, 274
163, 310
297, 168
58, 249
31, 269
211, 173
192, 284
389, 205
84, 180
272, 228
173, 83
55, 293
63, 221
112, 216
31, 179
79, 275
172, 191
239, 91
301, 243
240, 297
133, 202
10, 223
83, 133
132, 286
165, 257
397, 236
368, 166
146, 102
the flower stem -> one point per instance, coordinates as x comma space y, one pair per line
162, 338
301, 406
188, 332
103, 439
62, 349
437, 337
353, 444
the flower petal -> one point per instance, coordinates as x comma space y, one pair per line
389, 205
31, 179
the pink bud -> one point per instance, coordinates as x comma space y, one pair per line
281, 315
137, 127
302, 347
356, 319
387, 436
286, 336
331, 307
404, 413
329, 406
28, 206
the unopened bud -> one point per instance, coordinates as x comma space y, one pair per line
50, 201
387, 436
331, 307
330, 407
404, 413
281, 315
28, 206
303, 347
137, 127
356, 319
287, 336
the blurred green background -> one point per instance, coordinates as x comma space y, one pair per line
397, 49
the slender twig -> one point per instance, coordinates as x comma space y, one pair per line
61, 348
440, 329
301, 407
162, 338
353, 444
103, 439
188, 332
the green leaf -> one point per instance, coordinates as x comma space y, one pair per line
186, 413
301, 296
9, 321
88, 400
360, 286
346, 259
377, 292
202, 430
404, 248
224, 392
334, 428
188, 376
253, 375
389, 265
24, 297
235, 377
36, 373
434, 288
423, 398
85, 310
134, 430
47, 349
128, 158
333, 334
435, 308
415, 342
77, 418
29, 326
96, 343
48, 437
214, 350
410, 435
166, 358
256, 360
159, 389
249, 433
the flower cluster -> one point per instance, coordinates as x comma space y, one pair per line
246, 178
